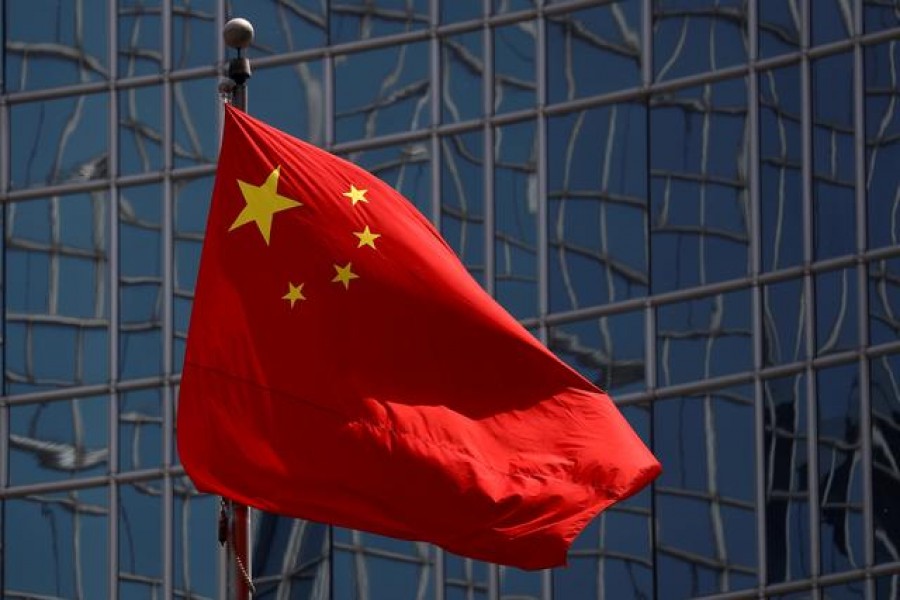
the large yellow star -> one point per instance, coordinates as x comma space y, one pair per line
295, 292
344, 275
356, 195
263, 202
366, 238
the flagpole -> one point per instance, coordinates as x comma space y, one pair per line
238, 34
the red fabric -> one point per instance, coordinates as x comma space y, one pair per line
408, 403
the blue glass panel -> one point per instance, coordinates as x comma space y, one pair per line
888, 587
291, 554
461, 10
852, 590
885, 397
784, 310
779, 27
194, 516
140, 38
196, 127
597, 206
702, 338
706, 518
140, 540
833, 157
302, 84
884, 301
378, 567
840, 473
381, 91
832, 20
880, 14
883, 143
787, 490
62, 140
353, 20
836, 311
594, 51
608, 351
140, 429
194, 33
505, 6
281, 26
464, 578
516, 584
60, 542
693, 36
462, 72
515, 218
698, 168
140, 130
406, 168
780, 155
515, 68
462, 199
52, 43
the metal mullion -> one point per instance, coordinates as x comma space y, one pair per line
647, 43
4, 405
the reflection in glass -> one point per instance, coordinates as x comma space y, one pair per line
298, 25
691, 36
140, 38
353, 20
196, 127
50, 43
883, 142
833, 157
884, 300
462, 199
290, 558
193, 33
846, 591
464, 578
57, 545
514, 67
597, 206
140, 281
699, 223
140, 541
140, 429
60, 140
608, 351
840, 469
836, 311
594, 51
780, 180
832, 20
785, 429
63, 439
516, 200
304, 115
885, 398
880, 14
56, 283
140, 130
462, 71
373, 566
381, 91
702, 338
784, 309
194, 517
705, 496
779, 27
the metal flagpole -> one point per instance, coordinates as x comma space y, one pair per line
238, 34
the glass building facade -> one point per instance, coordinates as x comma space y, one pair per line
695, 203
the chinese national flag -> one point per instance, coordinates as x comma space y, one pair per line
342, 366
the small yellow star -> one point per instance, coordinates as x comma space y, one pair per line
344, 275
366, 238
295, 292
356, 195
263, 202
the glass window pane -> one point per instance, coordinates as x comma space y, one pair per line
302, 85
693, 36
785, 430
699, 223
840, 473
282, 26
784, 311
705, 498
194, 33
594, 51
381, 91
780, 156
462, 197
836, 311
63, 439
58, 141
702, 338
60, 545
462, 72
880, 14
140, 281
140, 130
779, 27
834, 174
51, 43
290, 554
505, 6
195, 516
461, 10
832, 20
884, 300
515, 85
140, 37
140, 540
515, 218
609, 351
196, 127
597, 206
375, 566
883, 143
464, 578
885, 397
140, 430
353, 20
57, 282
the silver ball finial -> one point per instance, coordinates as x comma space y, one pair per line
238, 33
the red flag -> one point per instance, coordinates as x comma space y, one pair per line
342, 366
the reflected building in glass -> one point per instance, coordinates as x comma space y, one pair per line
695, 203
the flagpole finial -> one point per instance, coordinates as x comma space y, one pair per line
238, 33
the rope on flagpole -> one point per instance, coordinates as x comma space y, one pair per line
225, 520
